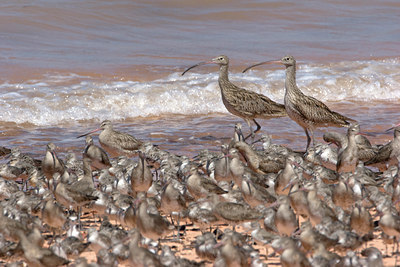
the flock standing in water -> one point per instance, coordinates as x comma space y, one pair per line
313, 209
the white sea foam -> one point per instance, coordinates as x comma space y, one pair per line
57, 99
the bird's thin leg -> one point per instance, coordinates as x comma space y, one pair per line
226, 167
79, 217
397, 251
177, 234
251, 130
25, 185
52, 238
258, 126
184, 230
173, 223
308, 138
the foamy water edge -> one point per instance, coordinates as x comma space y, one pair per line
56, 99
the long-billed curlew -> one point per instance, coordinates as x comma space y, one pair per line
306, 111
243, 103
116, 143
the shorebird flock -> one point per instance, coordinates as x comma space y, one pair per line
128, 201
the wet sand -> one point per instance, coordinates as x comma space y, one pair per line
184, 248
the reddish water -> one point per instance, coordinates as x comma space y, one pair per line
67, 65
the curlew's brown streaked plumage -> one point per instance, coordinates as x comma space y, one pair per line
243, 103
116, 143
306, 111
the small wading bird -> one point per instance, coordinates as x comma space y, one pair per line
243, 103
306, 111
116, 143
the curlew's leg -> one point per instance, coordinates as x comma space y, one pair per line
252, 134
308, 138
258, 126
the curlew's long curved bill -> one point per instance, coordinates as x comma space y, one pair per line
198, 64
262, 63
88, 133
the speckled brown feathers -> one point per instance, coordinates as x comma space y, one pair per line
243, 103
317, 114
248, 104
306, 111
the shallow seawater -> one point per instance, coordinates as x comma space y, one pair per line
67, 65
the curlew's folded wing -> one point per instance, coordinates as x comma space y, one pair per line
309, 107
253, 104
